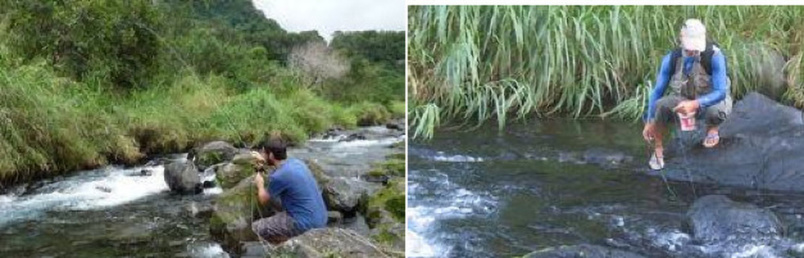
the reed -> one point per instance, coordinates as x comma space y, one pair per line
474, 63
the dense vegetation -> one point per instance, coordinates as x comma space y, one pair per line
90, 82
474, 63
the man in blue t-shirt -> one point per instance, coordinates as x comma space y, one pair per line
294, 185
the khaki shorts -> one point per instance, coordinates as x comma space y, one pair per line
276, 228
713, 115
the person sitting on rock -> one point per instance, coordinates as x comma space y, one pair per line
294, 185
699, 87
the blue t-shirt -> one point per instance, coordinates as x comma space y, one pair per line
296, 187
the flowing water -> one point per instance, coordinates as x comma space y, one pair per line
114, 211
484, 193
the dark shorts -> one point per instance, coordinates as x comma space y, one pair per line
713, 115
276, 228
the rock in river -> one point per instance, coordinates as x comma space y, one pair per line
717, 218
182, 177
760, 147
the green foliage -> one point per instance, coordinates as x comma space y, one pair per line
88, 40
91, 82
376, 46
474, 63
368, 113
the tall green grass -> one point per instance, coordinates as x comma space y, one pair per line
53, 125
204, 88
474, 63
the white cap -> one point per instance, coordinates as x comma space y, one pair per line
693, 35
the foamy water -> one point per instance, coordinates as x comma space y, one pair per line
212, 250
422, 240
107, 187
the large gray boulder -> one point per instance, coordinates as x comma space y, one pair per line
234, 211
182, 177
231, 173
344, 194
715, 218
760, 147
328, 242
212, 153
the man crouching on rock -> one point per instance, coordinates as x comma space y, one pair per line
294, 185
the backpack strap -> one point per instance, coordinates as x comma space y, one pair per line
674, 56
706, 57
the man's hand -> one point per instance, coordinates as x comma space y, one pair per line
259, 181
687, 106
262, 194
649, 131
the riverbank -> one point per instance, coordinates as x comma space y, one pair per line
53, 125
92, 83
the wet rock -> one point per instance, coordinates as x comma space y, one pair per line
398, 125
241, 167
334, 217
582, 250
717, 218
208, 184
357, 224
354, 137
213, 153
254, 249
375, 177
159, 161
328, 242
200, 209
394, 165
344, 194
103, 188
321, 177
234, 211
606, 158
385, 215
388, 203
182, 177
760, 147
142, 172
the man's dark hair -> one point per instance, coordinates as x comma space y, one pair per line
274, 146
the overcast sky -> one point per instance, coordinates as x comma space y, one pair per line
328, 16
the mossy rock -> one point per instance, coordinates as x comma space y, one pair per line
385, 215
230, 174
328, 242
391, 236
213, 153
321, 177
394, 165
235, 210
388, 201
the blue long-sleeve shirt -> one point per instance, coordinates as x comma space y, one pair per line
720, 86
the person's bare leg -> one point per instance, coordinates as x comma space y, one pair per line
658, 143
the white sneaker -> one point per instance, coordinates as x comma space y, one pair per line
656, 163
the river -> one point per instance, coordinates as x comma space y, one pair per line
485, 193
115, 211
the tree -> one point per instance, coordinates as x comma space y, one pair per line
317, 62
